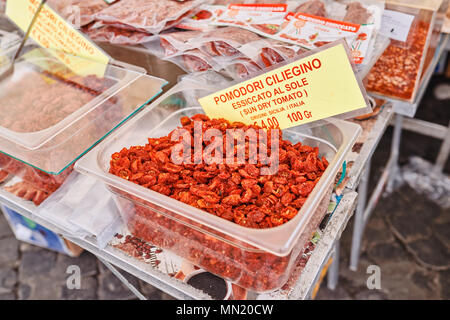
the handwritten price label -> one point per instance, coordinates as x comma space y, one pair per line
319, 86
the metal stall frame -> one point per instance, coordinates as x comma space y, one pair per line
404, 114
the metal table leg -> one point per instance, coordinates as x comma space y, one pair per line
333, 272
359, 222
123, 280
443, 153
395, 152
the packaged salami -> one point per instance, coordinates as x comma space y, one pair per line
227, 2
150, 16
368, 14
312, 23
179, 41
242, 67
27, 191
265, 19
312, 7
195, 60
353, 11
3, 175
224, 41
268, 52
311, 32
78, 12
316, 23
27, 182
359, 12
202, 18
106, 33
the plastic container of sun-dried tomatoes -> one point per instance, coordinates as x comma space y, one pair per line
414, 28
50, 115
257, 259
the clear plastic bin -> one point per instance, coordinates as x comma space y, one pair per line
257, 259
399, 70
50, 116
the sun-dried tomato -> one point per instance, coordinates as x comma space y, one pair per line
396, 72
234, 190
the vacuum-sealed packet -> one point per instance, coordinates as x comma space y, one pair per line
268, 52
78, 12
262, 18
195, 60
227, 2
152, 16
311, 31
368, 14
241, 67
317, 22
356, 11
224, 41
202, 18
313, 7
105, 33
27, 182
178, 41
174, 43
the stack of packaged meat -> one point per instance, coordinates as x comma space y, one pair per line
238, 52
129, 22
205, 34
152, 16
78, 12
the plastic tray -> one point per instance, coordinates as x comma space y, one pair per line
258, 259
51, 116
398, 71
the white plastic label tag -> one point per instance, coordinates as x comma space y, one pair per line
396, 25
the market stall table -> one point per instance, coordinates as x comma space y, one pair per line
302, 283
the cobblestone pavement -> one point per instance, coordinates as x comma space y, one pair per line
415, 267
30, 272
408, 237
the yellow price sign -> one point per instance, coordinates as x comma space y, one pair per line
319, 86
51, 31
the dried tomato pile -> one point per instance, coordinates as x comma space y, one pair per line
396, 72
236, 193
